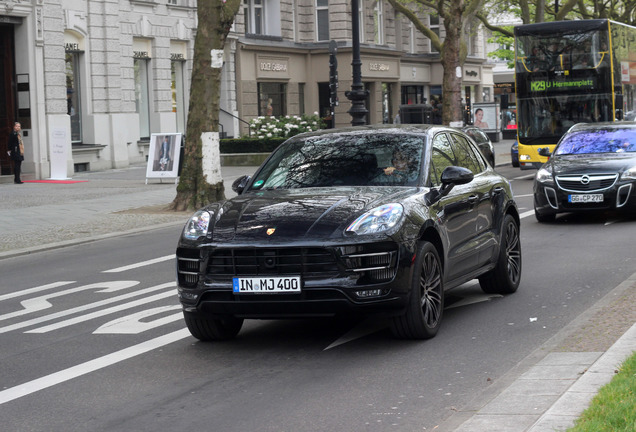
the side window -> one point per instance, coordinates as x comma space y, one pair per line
441, 158
465, 155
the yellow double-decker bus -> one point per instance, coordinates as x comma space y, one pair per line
570, 72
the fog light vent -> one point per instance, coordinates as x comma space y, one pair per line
623, 195
550, 194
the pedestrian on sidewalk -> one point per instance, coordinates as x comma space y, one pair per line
16, 151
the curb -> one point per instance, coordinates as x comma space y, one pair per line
78, 241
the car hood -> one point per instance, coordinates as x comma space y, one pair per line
297, 214
581, 164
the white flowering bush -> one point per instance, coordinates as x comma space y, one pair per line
284, 127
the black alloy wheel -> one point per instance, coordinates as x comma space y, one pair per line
424, 312
505, 277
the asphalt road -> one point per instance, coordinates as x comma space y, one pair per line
106, 348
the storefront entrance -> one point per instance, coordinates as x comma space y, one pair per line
7, 94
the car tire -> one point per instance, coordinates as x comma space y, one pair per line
426, 303
212, 329
515, 163
505, 277
544, 217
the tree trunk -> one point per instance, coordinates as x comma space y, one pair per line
200, 181
452, 110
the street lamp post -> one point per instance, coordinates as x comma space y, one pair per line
357, 95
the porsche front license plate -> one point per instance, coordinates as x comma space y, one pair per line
266, 285
585, 198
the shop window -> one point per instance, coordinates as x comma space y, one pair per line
412, 94
73, 95
272, 99
378, 23
142, 97
178, 94
322, 20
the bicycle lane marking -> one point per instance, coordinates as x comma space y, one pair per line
90, 366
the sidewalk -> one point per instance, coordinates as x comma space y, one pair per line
38, 216
545, 392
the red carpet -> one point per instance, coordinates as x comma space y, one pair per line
54, 181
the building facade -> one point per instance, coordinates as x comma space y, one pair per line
92, 80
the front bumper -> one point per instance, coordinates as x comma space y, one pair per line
550, 198
365, 279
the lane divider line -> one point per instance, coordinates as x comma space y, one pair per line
90, 366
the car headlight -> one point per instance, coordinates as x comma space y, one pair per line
544, 176
197, 226
377, 220
630, 174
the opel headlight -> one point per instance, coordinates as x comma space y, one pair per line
544, 176
197, 226
377, 220
630, 174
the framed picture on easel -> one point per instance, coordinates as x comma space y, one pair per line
163, 156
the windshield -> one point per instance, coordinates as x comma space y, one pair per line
343, 160
598, 141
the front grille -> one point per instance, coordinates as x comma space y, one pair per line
372, 263
586, 182
306, 262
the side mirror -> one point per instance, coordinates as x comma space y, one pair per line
451, 176
240, 183
544, 151
454, 175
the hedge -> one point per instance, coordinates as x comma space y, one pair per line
250, 145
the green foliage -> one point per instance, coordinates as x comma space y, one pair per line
285, 127
612, 409
506, 52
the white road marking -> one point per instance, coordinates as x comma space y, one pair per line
90, 366
40, 303
34, 290
132, 324
524, 195
526, 214
527, 176
140, 264
82, 308
103, 312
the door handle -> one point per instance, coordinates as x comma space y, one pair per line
473, 199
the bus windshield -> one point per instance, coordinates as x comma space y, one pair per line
563, 77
